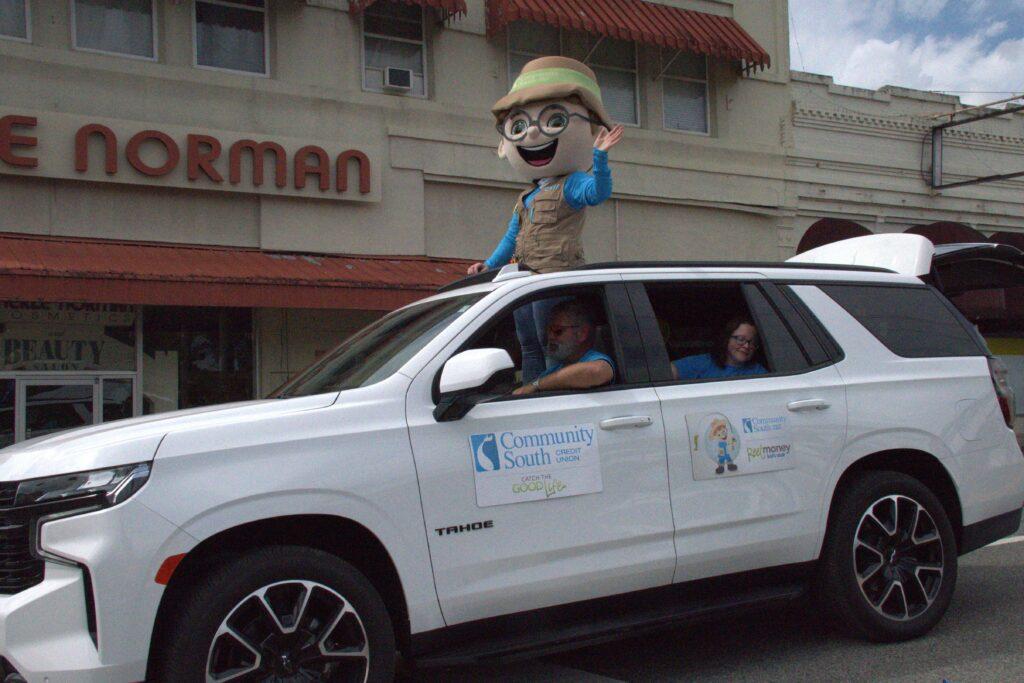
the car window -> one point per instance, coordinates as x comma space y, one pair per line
379, 349
912, 322
522, 330
691, 320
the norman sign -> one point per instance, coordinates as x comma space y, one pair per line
117, 151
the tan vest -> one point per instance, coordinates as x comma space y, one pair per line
550, 231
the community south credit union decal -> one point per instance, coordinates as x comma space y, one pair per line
737, 443
535, 464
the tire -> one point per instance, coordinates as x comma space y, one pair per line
879, 576
326, 609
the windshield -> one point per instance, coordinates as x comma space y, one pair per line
378, 350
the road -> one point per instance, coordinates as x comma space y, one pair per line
979, 639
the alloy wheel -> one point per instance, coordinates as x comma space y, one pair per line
898, 557
290, 631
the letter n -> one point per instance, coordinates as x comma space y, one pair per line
322, 167
82, 148
364, 170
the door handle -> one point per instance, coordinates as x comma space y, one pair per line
808, 404
626, 422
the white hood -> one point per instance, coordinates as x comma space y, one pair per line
132, 440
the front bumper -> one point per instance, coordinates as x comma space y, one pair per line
112, 557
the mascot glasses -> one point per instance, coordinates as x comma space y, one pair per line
552, 121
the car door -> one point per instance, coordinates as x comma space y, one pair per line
541, 534
747, 454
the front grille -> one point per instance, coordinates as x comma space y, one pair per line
18, 569
7, 491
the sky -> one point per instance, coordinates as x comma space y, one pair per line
973, 46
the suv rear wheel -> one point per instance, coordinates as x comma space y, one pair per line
889, 564
281, 613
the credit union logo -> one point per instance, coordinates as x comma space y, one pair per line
485, 452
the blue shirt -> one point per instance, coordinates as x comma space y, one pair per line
704, 367
581, 189
590, 355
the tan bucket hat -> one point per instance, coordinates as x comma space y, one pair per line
547, 78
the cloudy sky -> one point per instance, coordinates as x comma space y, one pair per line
976, 46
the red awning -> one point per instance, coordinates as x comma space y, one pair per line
106, 271
642, 22
451, 7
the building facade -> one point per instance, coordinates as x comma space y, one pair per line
199, 197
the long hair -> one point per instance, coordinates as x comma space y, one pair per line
721, 349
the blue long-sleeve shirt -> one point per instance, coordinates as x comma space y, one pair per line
581, 189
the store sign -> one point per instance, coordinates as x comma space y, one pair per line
45, 337
75, 313
109, 150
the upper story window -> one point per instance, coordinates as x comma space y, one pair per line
613, 61
14, 21
118, 27
393, 37
685, 93
231, 35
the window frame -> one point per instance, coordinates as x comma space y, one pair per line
28, 25
266, 38
561, 51
423, 57
126, 55
707, 101
654, 343
626, 350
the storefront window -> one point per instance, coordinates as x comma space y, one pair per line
6, 412
195, 357
54, 406
117, 399
66, 337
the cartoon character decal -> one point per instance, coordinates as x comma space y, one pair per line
722, 444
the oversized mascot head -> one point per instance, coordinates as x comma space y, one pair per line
550, 118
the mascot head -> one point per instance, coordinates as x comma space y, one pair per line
549, 119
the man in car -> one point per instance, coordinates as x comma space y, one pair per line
570, 342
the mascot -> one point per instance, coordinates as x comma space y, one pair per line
553, 128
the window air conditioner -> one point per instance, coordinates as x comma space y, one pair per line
397, 79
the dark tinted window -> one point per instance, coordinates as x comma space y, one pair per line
912, 322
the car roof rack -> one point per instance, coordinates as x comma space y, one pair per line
490, 275
728, 264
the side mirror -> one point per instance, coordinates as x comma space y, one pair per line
469, 378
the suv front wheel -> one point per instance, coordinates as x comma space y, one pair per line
281, 613
889, 564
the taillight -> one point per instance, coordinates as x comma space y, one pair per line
1004, 393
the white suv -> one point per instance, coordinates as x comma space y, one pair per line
396, 498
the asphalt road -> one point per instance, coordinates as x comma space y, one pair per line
979, 639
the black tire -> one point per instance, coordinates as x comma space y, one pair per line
235, 589
888, 589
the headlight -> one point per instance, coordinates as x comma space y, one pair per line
100, 488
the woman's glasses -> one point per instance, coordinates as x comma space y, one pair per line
552, 121
743, 341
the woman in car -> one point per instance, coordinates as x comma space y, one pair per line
732, 355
